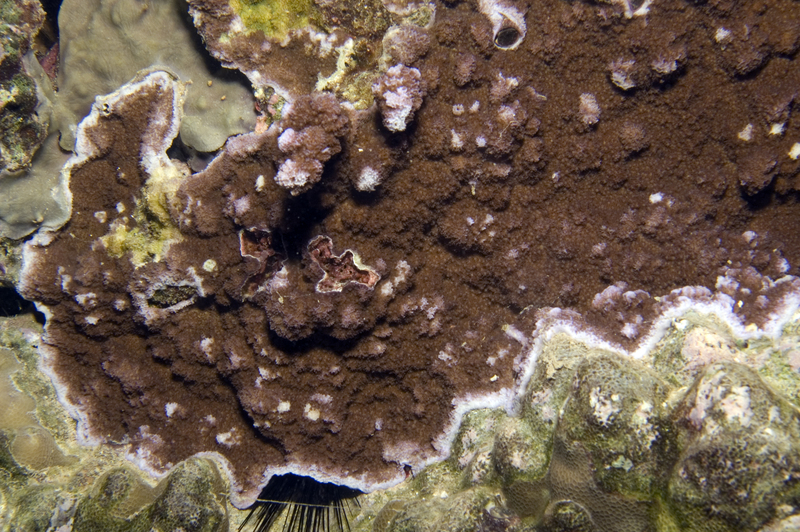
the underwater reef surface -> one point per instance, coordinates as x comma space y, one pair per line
540, 256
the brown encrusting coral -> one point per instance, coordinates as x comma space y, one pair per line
615, 167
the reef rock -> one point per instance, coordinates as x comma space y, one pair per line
739, 449
24, 119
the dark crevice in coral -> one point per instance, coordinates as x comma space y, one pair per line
769, 197
51, 10
212, 65
249, 422
208, 303
195, 160
292, 244
318, 340
13, 304
300, 219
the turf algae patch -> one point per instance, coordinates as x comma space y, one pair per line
276, 19
153, 231
296, 47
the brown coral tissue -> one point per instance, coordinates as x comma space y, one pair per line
341, 333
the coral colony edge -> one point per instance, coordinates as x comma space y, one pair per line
500, 265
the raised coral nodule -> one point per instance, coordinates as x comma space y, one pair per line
312, 127
399, 92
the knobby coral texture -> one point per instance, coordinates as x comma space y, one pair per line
331, 293
22, 129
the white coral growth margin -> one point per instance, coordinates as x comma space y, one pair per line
682, 302
551, 322
86, 147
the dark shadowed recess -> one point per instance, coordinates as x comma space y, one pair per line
51, 9
196, 160
769, 197
13, 304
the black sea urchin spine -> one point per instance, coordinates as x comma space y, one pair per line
313, 506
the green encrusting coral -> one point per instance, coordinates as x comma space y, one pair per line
191, 498
34, 507
276, 18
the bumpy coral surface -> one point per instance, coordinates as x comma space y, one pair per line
310, 137
606, 443
22, 129
580, 167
